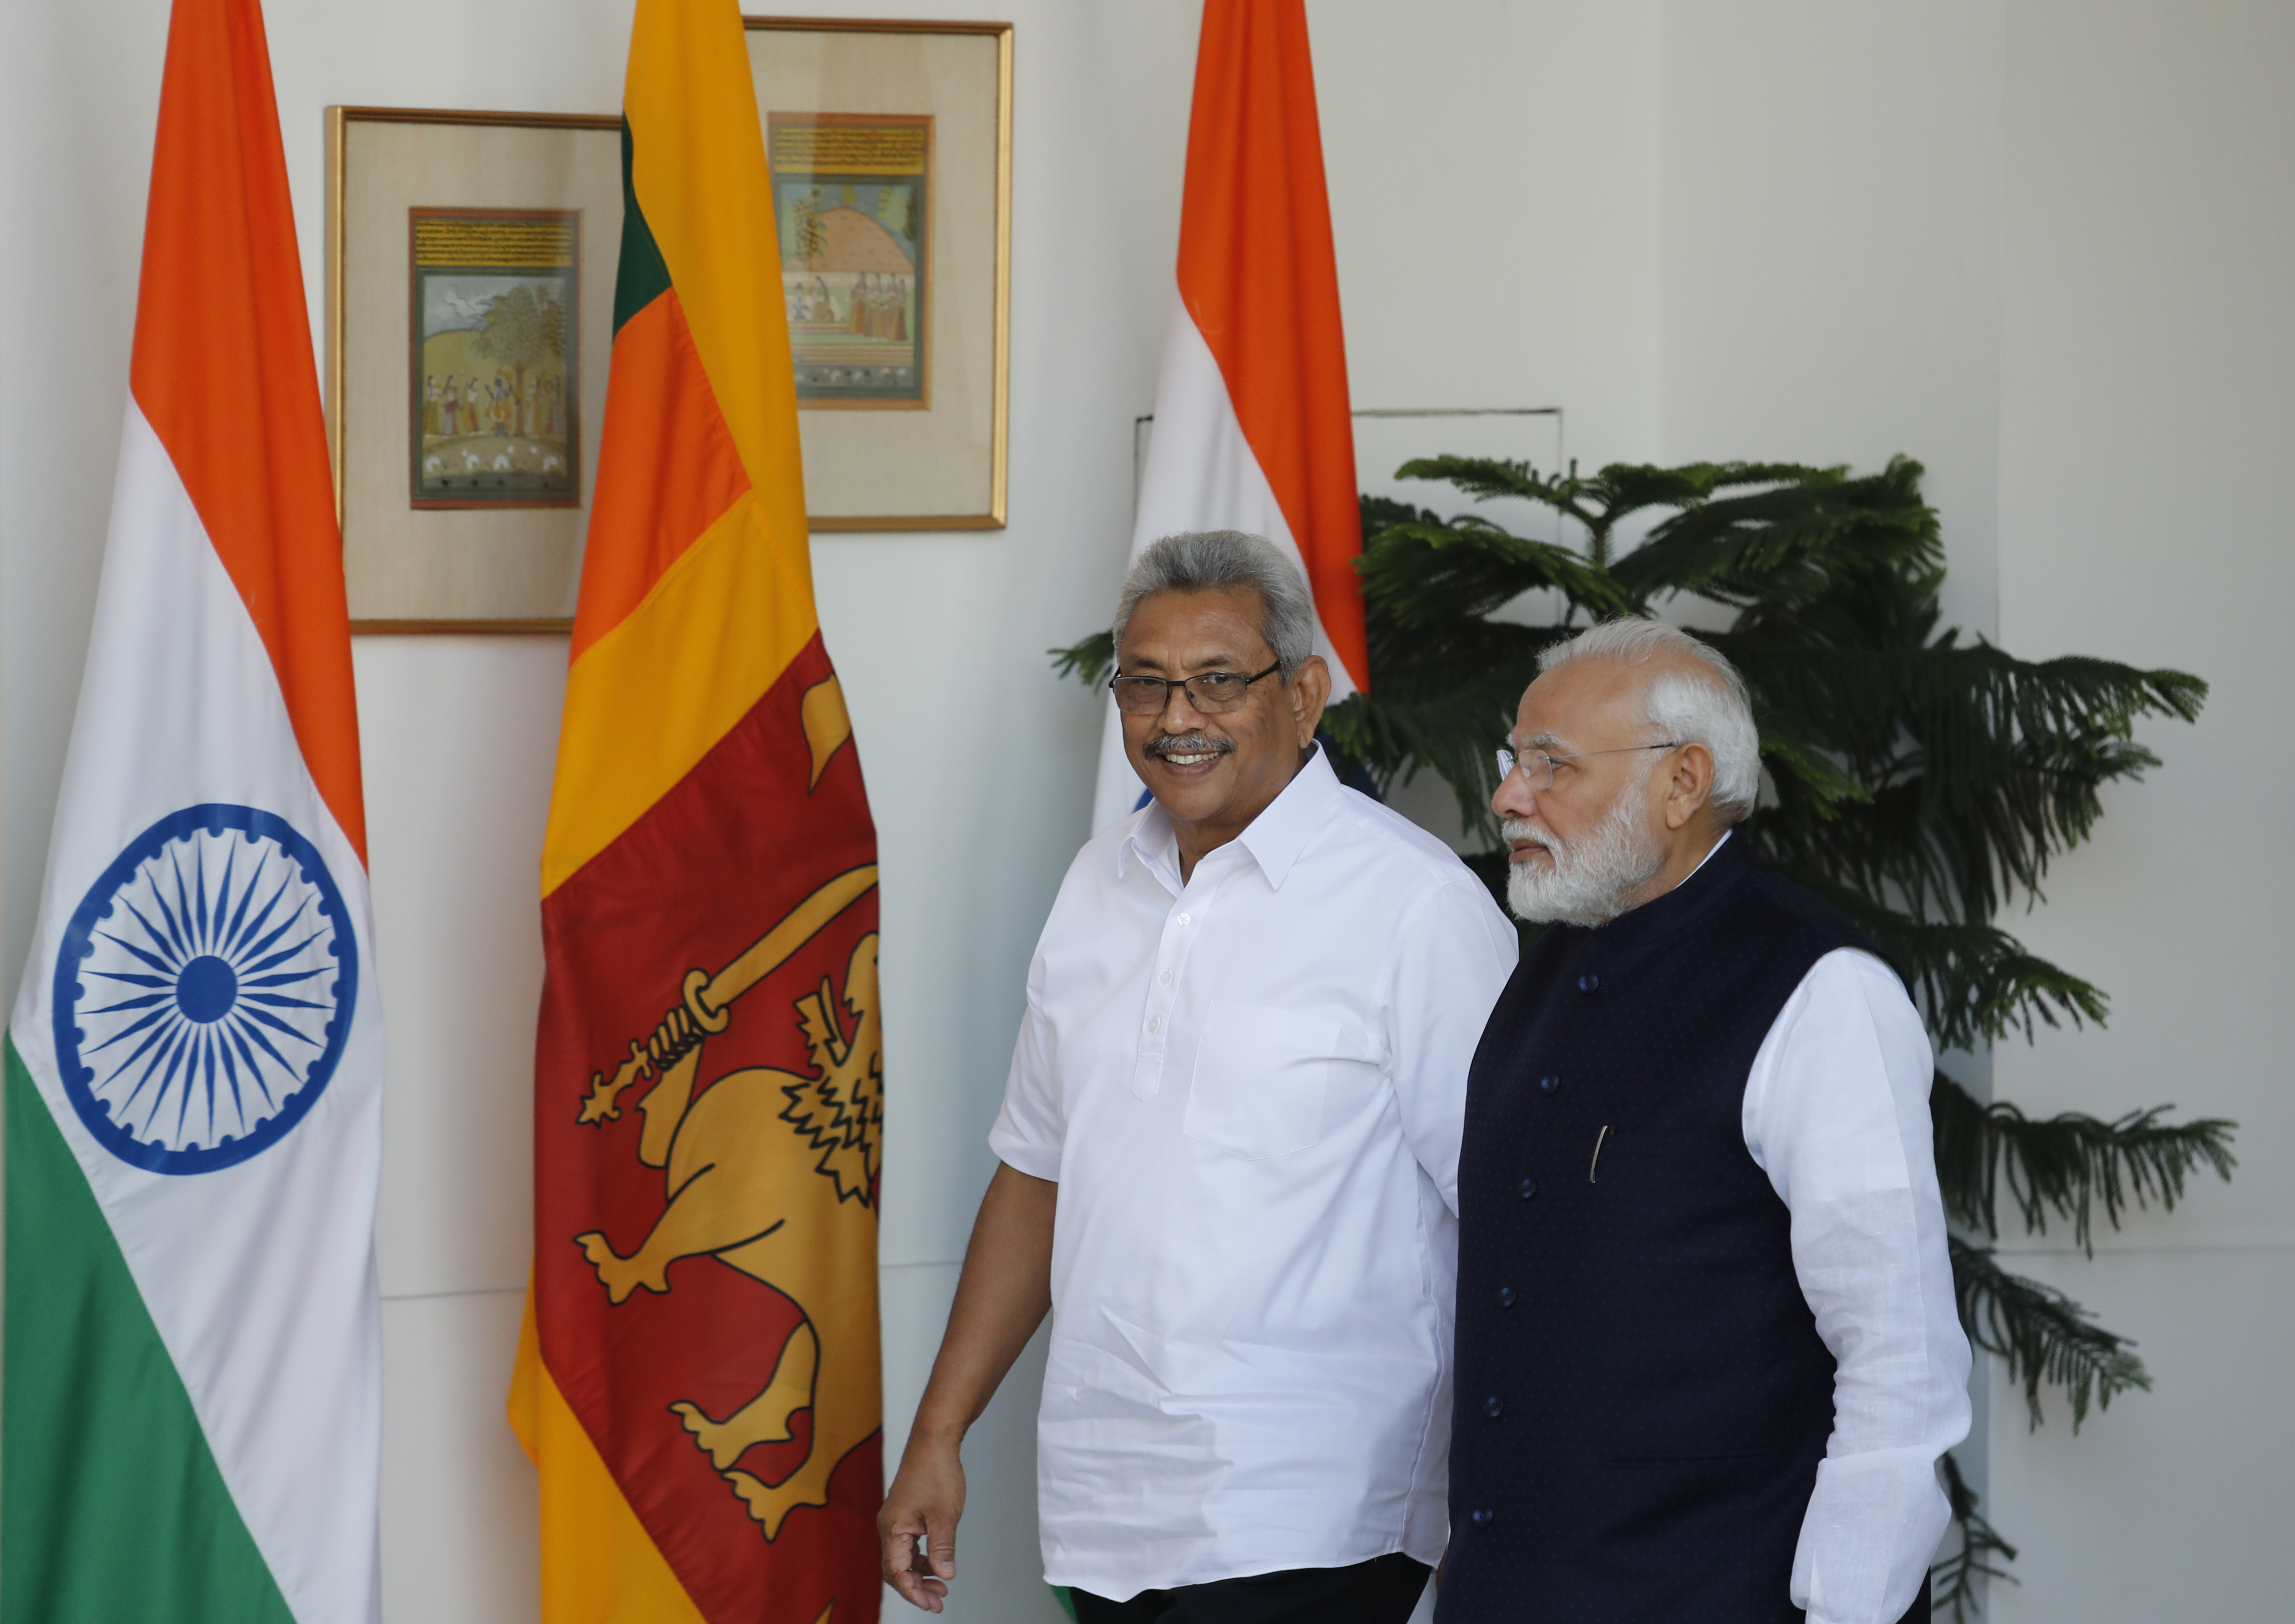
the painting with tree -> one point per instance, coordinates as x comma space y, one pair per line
494, 383
852, 192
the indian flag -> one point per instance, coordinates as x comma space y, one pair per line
194, 1065
1253, 430
698, 1380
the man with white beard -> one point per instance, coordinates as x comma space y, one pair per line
1707, 1350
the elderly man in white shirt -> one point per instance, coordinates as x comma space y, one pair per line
1229, 1146
1707, 1354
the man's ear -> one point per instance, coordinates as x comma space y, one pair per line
1690, 787
1309, 689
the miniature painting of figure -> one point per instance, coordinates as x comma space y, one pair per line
852, 195
495, 379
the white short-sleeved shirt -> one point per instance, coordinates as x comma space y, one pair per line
1249, 1088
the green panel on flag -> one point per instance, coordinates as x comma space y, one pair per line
111, 1508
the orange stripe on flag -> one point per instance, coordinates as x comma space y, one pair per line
223, 374
1258, 274
666, 468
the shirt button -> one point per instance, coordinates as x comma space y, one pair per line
1549, 1083
1167, 978
1587, 982
1494, 1407
1154, 1024
1505, 1296
1481, 1517
1184, 919
1526, 1188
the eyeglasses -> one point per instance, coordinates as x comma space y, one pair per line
1538, 767
1212, 693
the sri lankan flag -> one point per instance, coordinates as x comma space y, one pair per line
698, 1383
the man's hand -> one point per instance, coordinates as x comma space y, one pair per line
925, 1500
1001, 1297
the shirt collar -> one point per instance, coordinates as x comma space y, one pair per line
1702, 861
1275, 838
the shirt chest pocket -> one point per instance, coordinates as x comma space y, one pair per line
1261, 1076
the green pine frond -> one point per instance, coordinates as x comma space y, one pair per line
1953, 1579
1486, 478
2045, 1337
1975, 983
1804, 771
1631, 488
1400, 729
1787, 544
1963, 846
1424, 572
1980, 766
1441, 700
2066, 1165
1091, 662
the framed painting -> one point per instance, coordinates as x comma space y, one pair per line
490, 353
890, 147
470, 263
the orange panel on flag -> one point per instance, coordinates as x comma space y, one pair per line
224, 373
1259, 274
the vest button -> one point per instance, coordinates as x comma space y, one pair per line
1494, 1407
1526, 1188
1481, 1516
1549, 1083
1588, 982
1505, 1296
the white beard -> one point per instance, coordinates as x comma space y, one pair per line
1590, 876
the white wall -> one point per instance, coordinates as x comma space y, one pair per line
1830, 207
2149, 228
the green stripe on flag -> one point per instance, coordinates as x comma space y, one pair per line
644, 274
111, 1508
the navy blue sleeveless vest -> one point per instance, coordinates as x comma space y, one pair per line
1641, 1398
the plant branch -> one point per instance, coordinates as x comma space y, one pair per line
2044, 1336
1090, 662
2066, 1165
1955, 1579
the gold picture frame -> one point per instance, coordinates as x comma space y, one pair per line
921, 113
463, 499
470, 260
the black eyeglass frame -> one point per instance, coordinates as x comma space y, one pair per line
1195, 699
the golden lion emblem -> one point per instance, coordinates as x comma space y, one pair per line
772, 1173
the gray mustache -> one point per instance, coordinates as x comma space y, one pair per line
1187, 744
1520, 828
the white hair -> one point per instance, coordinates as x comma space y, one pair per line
1710, 708
1589, 877
1227, 561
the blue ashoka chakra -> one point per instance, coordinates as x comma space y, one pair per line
205, 990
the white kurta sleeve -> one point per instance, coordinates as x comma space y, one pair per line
1451, 960
1031, 1127
1836, 1113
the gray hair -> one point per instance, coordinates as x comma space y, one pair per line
1229, 561
1713, 709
